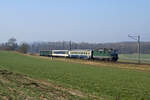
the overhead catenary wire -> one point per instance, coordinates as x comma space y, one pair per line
137, 38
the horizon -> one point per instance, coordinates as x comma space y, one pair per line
132, 41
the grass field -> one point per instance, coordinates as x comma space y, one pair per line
20, 87
97, 81
145, 58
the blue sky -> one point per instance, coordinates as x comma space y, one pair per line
76, 20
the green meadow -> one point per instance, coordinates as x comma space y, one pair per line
105, 83
145, 58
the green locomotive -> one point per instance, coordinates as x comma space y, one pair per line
105, 54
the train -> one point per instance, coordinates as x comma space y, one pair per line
100, 54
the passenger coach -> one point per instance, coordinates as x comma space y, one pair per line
85, 54
60, 53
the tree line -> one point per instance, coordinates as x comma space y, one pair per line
35, 47
12, 45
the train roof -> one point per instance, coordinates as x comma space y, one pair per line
60, 50
104, 49
81, 49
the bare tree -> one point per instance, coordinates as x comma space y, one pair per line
23, 48
11, 44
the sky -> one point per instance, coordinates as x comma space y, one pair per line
94, 21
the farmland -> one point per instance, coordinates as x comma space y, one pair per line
98, 80
145, 58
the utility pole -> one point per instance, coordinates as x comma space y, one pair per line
70, 45
139, 49
63, 45
137, 38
